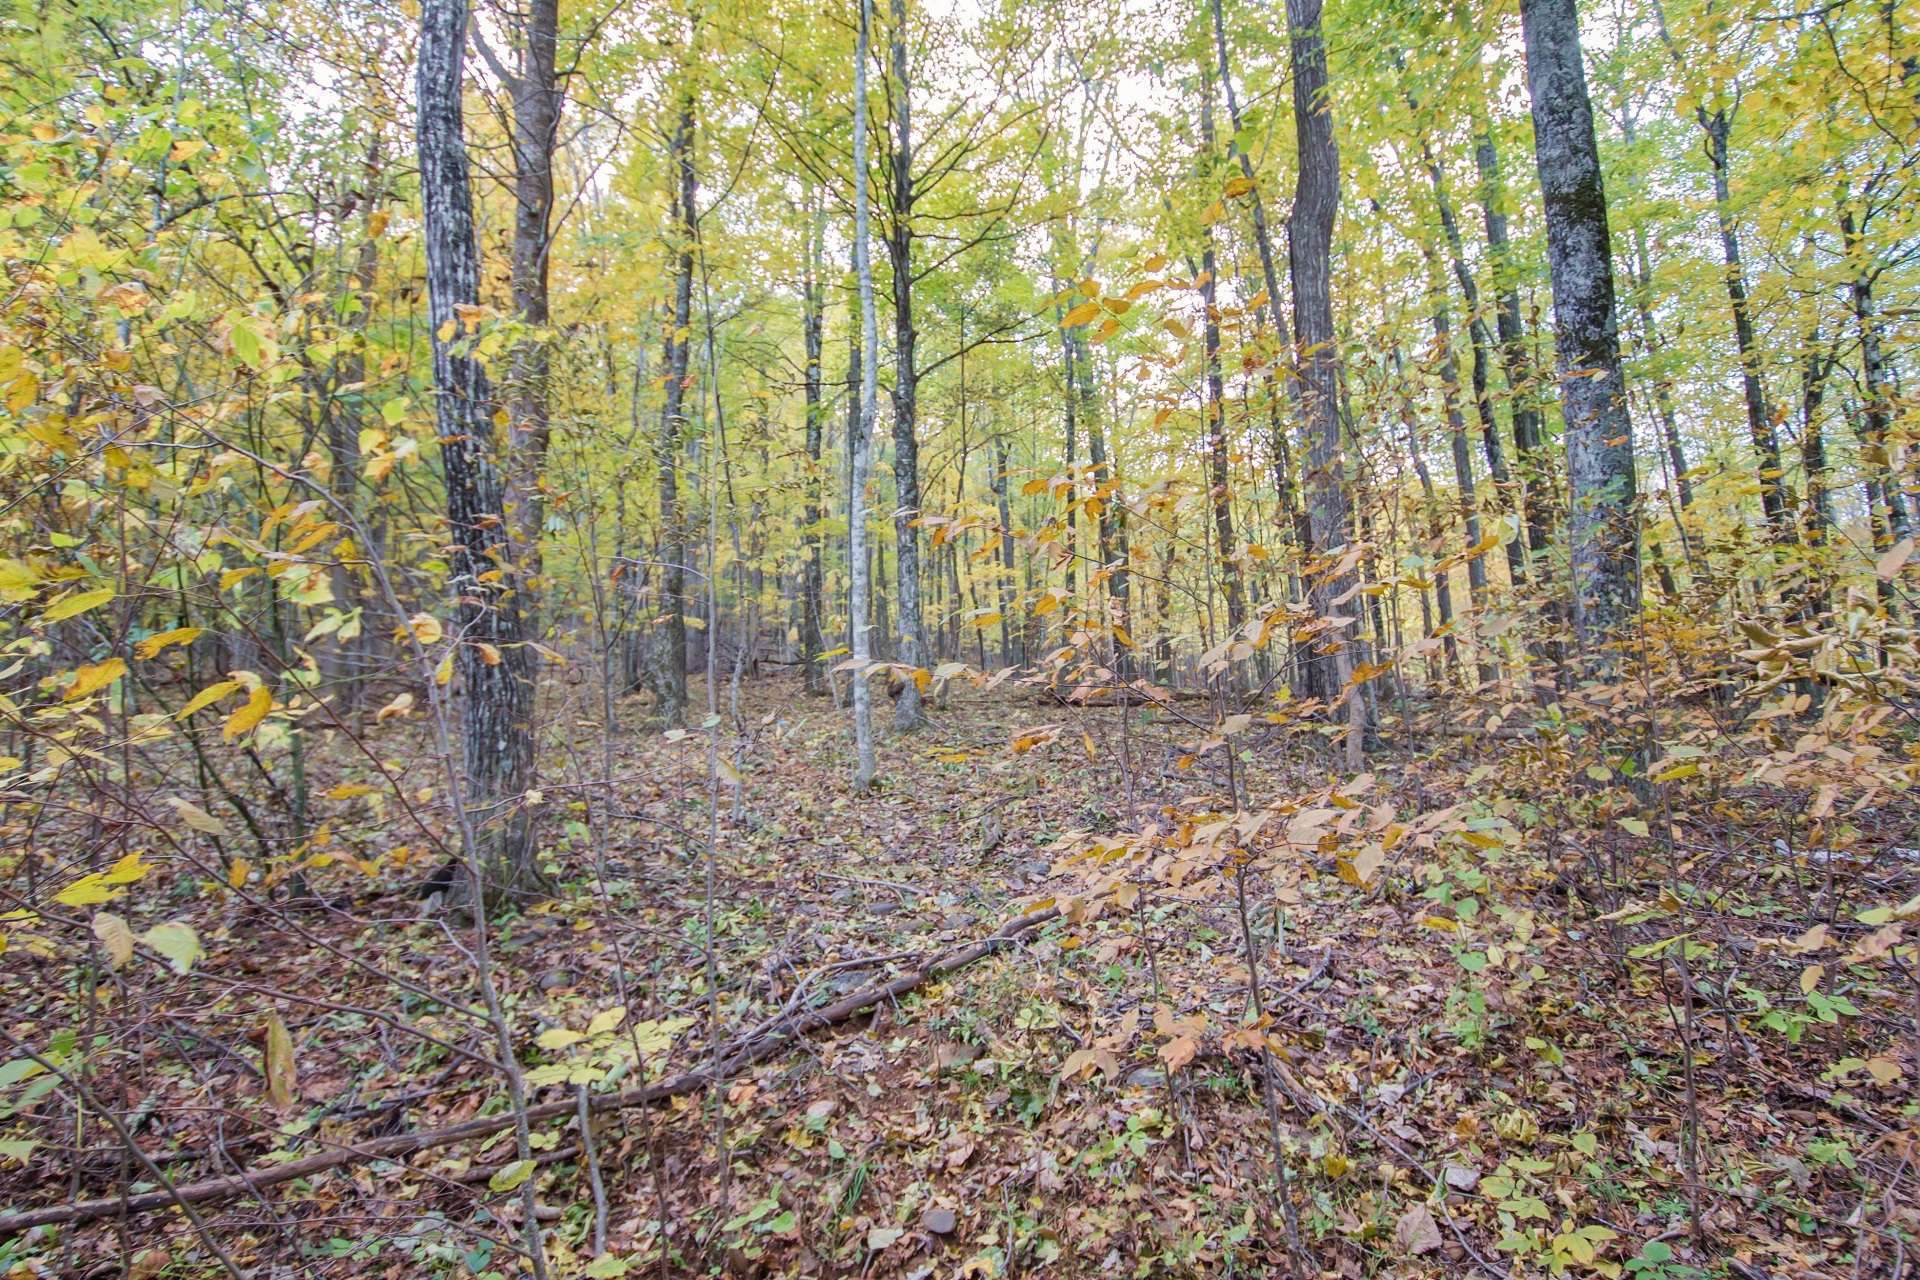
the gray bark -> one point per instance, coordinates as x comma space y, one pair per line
493, 663
813, 323
667, 637
861, 442
1529, 438
536, 119
1310, 245
1597, 427
907, 712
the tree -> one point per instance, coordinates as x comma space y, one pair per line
861, 437
907, 711
667, 637
494, 662
1309, 252
1593, 392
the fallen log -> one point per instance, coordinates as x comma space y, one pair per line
736, 1058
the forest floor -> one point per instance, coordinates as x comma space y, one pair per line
1475, 1072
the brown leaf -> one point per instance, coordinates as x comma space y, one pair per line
1416, 1232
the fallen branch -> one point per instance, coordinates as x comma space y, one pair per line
737, 1057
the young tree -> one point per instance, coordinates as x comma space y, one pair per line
667, 642
861, 442
494, 661
1593, 392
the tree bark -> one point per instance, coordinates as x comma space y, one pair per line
1219, 478
1775, 501
907, 711
667, 635
861, 440
1875, 378
813, 323
1463, 456
1529, 436
1310, 249
536, 119
493, 661
1598, 428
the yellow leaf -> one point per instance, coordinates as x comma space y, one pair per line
1085, 313
606, 1020
127, 870
114, 936
444, 672
1238, 186
238, 872
206, 697
87, 891
556, 1038
426, 628
398, 707
161, 641
248, 717
196, 817
1889, 565
72, 606
94, 677
280, 1066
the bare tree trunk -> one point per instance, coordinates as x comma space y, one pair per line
1529, 437
1776, 502
1001, 483
667, 637
352, 656
812, 639
1877, 383
1310, 251
1598, 427
1463, 459
1442, 581
861, 440
907, 711
536, 120
494, 663
1219, 478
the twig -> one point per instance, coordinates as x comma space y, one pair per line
738, 1056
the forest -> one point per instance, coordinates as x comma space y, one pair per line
959, 639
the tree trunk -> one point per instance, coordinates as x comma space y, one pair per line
1463, 455
907, 712
813, 323
1877, 382
352, 657
1442, 581
1775, 501
1310, 248
1219, 478
1529, 437
536, 119
493, 661
1598, 428
861, 440
1001, 483
667, 636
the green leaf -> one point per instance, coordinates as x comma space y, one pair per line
511, 1176
72, 606
177, 941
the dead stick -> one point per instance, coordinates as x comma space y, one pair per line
739, 1056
